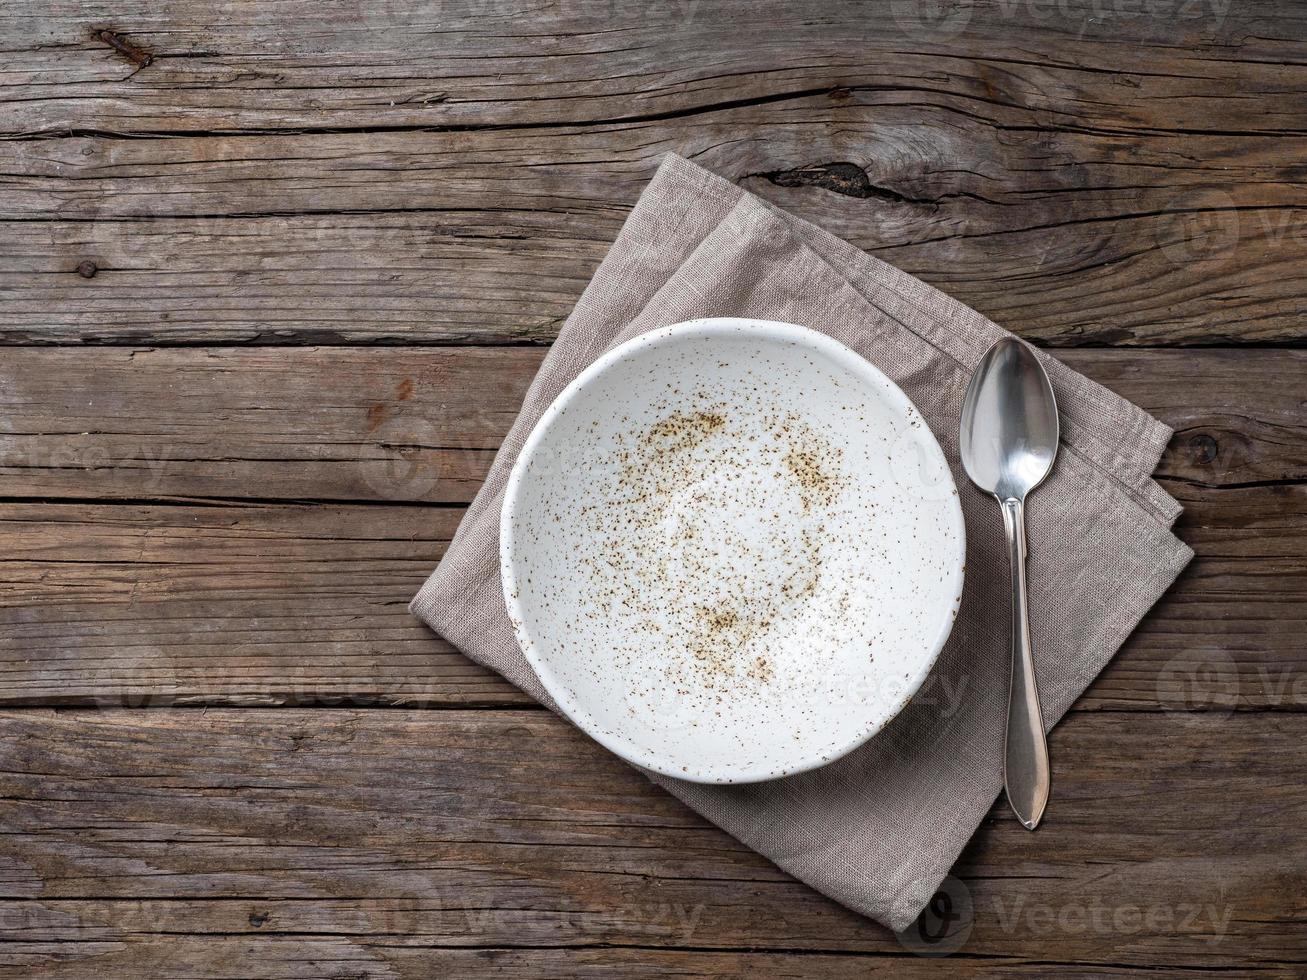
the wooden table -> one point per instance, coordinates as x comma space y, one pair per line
274, 278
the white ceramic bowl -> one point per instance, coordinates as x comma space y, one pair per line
731, 550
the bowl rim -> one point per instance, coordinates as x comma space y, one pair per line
774, 330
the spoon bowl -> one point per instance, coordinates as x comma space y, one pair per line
1009, 422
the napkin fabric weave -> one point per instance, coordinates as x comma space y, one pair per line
879, 829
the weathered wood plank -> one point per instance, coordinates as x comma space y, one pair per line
422, 426
1239, 415
283, 604
1204, 65
419, 426
1082, 172
259, 603
1074, 237
210, 957
247, 605
388, 839
392, 277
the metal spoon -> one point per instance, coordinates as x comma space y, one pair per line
1008, 441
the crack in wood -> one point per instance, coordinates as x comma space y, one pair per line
845, 179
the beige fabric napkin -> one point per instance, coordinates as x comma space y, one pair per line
879, 829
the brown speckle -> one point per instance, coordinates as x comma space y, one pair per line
816, 485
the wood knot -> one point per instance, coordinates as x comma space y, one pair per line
839, 177
1204, 448
842, 178
257, 919
87, 269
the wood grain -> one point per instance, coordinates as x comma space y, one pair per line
491, 236
265, 604
212, 957
422, 426
1194, 66
206, 513
209, 583
251, 605
1081, 172
372, 425
387, 842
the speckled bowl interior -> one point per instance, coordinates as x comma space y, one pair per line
731, 550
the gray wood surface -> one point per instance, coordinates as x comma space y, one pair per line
389, 837
211, 530
1082, 171
274, 278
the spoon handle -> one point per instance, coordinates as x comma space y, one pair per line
1025, 751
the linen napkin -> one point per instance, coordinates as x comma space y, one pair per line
878, 829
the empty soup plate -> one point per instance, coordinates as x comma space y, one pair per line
731, 550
